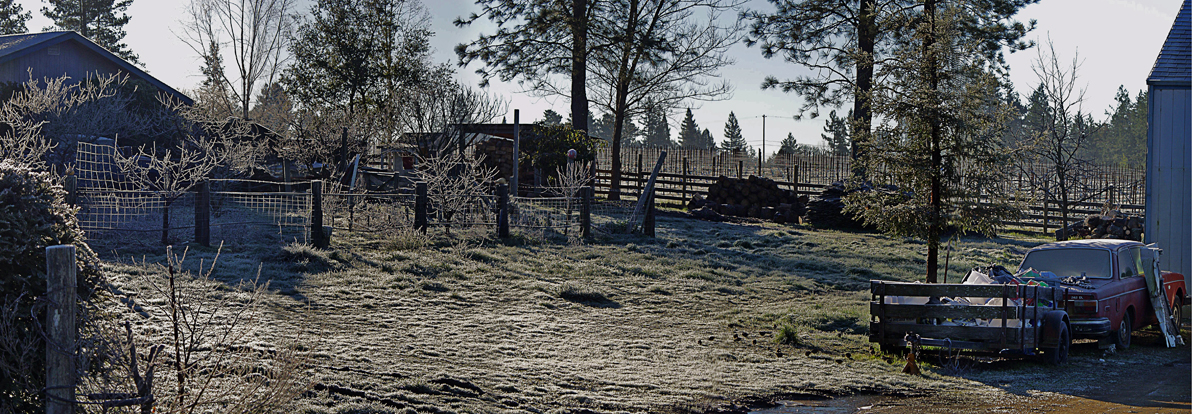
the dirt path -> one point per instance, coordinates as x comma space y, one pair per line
1149, 378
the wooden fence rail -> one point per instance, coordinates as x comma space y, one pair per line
677, 188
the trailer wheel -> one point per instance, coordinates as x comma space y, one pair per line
1124, 334
1058, 355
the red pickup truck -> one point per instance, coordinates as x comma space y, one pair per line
1107, 293
1074, 289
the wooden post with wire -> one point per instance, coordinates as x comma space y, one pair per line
585, 211
60, 329
502, 211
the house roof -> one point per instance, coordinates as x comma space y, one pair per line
19, 45
1174, 64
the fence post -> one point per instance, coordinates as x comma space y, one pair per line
60, 324
638, 180
318, 225
795, 177
71, 184
739, 169
683, 203
287, 177
648, 221
502, 211
585, 211
203, 195
421, 216
1045, 213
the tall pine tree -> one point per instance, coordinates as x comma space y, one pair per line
101, 21
838, 139
689, 132
13, 18
734, 142
949, 113
706, 140
788, 146
657, 132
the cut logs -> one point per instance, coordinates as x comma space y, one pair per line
498, 154
1111, 225
826, 210
754, 197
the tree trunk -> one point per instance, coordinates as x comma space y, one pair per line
166, 222
860, 125
929, 67
579, 28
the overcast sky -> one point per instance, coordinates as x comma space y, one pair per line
1117, 40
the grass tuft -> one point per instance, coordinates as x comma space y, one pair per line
787, 335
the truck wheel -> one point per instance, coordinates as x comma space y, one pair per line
1124, 333
1177, 313
1058, 355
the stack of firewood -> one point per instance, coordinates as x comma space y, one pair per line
754, 197
825, 210
1111, 225
497, 153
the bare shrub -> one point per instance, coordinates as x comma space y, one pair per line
459, 185
212, 359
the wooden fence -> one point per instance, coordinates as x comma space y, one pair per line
686, 173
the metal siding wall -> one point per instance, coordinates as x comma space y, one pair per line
1169, 200
73, 60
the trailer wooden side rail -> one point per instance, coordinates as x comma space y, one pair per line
1025, 319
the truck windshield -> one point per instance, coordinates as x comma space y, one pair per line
1094, 263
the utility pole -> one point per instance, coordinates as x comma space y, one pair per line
764, 146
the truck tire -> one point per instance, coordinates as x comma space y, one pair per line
1177, 313
1124, 333
1058, 355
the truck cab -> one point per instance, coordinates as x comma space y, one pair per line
1108, 296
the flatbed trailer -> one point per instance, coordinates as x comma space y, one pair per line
971, 318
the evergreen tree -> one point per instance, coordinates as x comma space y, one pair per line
734, 142
838, 138
13, 18
706, 140
549, 117
948, 113
657, 131
689, 132
603, 129
213, 69
97, 20
272, 107
1122, 142
789, 146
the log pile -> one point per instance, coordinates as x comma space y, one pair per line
754, 197
825, 210
497, 153
1112, 225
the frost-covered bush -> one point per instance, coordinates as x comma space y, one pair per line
33, 215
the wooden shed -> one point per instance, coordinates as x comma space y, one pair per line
1169, 148
55, 54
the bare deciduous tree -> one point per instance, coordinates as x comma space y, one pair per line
457, 183
254, 32
211, 359
1060, 136
441, 102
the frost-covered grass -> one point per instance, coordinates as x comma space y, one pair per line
706, 316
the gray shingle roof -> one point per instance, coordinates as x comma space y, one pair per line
18, 45
1174, 64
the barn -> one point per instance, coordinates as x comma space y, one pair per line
1169, 148
54, 54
